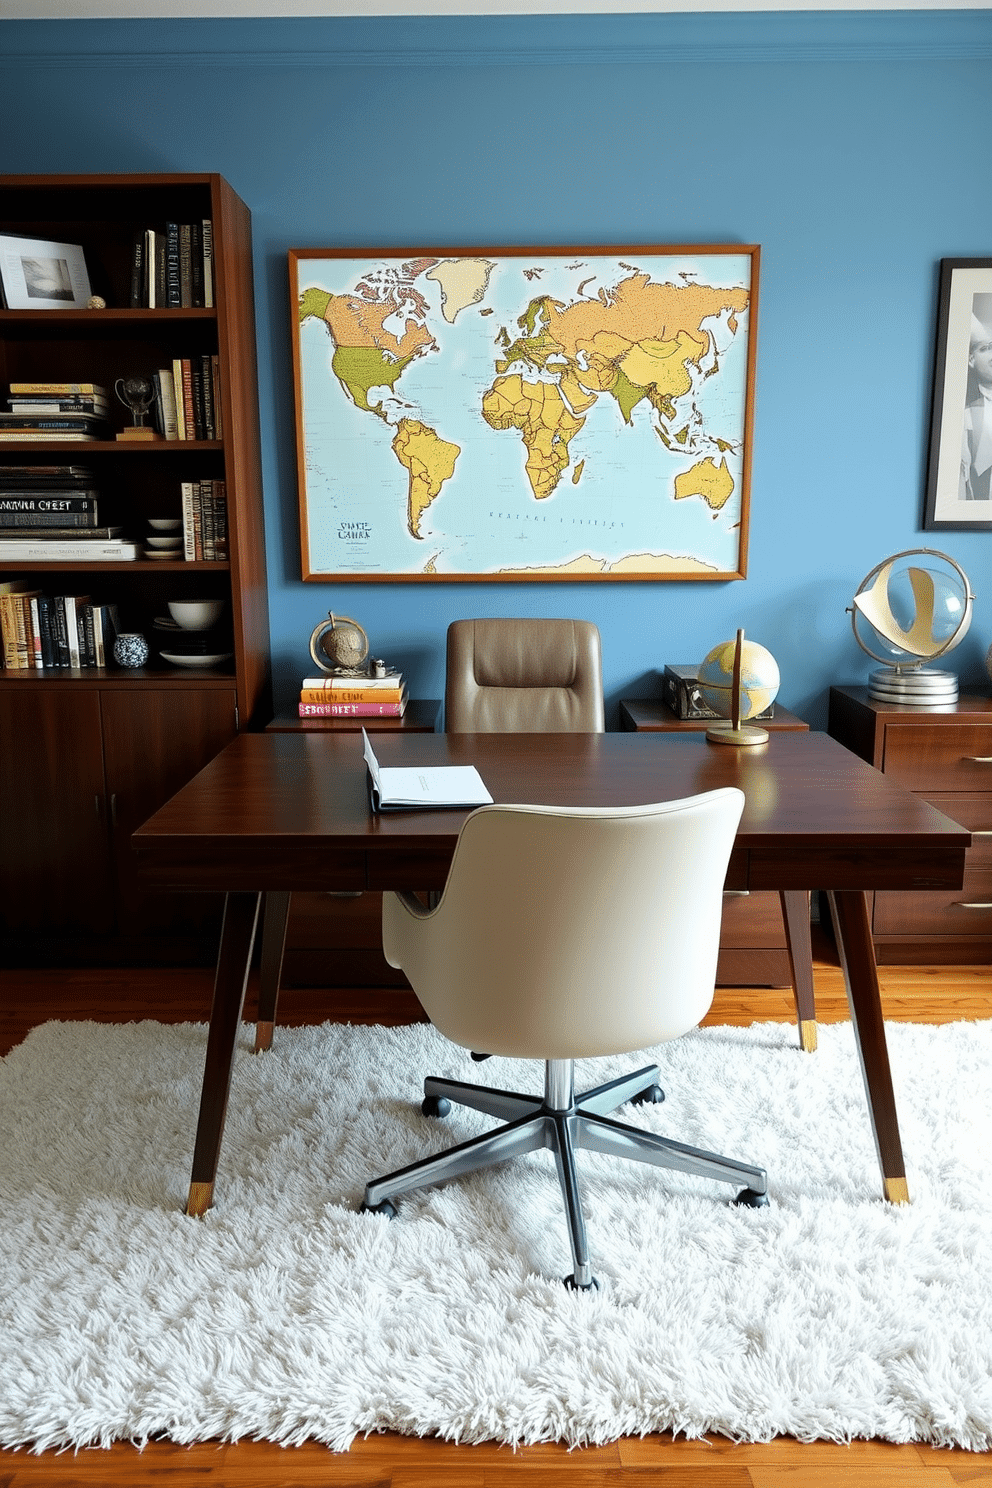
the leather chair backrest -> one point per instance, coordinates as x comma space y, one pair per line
510, 676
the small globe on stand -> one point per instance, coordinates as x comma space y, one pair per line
738, 679
340, 645
909, 610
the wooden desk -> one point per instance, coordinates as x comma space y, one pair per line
765, 938
290, 811
302, 932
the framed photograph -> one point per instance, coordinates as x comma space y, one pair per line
579, 413
959, 471
38, 275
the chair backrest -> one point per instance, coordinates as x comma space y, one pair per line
523, 676
565, 932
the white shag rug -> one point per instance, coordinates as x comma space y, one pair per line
286, 1315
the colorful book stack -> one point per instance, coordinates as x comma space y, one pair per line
187, 404
353, 697
55, 410
51, 514
172, 266
41, 631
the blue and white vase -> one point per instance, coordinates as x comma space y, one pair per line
130, 649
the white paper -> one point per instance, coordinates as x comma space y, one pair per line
426, 786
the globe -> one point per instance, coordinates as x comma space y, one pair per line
339, 645
909, 610
756, 688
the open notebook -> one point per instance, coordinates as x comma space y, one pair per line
395, 787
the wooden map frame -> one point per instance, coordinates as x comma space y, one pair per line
367, 263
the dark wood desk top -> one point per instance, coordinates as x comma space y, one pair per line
291, 811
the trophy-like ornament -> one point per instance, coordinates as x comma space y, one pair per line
138, 394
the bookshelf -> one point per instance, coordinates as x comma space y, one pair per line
90, 752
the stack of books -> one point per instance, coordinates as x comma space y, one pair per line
353, 697
41, 631
50, 514
172, 266
55, 410
187, 405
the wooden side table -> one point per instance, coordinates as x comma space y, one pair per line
765, 940
420, 717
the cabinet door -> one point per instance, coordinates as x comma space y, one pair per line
54, 843
154, 741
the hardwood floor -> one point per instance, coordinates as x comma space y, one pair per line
916, 994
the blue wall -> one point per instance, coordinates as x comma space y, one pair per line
852, 147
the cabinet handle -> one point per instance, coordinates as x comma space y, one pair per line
982, 832
964, 904
977, 759
96, 805
737, 893
113, 811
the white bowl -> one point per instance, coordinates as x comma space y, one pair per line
165, 524
164, 542
196, 614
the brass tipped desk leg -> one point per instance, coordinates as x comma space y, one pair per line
275, 918
237, 937
857, 957
795, 914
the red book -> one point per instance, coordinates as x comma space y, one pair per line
352, 710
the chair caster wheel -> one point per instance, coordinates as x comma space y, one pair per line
653, 1095
435, 1105
387, 1207
749, 1198
573, 1285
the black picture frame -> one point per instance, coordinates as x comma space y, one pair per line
959, 467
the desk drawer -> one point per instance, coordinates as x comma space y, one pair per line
960, 912
752, 920
924, 758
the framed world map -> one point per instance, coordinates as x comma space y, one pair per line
524, 413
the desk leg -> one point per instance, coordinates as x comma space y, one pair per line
857, 957
275, 918
237, 937
795, 913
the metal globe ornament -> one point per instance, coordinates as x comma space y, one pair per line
340, 646
907, 614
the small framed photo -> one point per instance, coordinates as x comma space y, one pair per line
39, 275
959, 471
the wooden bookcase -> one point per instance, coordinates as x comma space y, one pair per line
89, 753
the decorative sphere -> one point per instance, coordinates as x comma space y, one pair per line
760, 679
912, 608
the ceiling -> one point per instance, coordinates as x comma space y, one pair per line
190, 9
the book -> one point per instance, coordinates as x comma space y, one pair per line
72, 607
47, 478
56, 534
13, 625
37, 404
59, 387
30, 550
46, 630
173, 270
25, 436
423, 786
76, 422
138, 270
165, 403
36, 510
334, 681
352, 710
331, 696
207, 234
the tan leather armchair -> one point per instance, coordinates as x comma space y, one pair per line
523, 676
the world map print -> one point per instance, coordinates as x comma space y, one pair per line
524, 413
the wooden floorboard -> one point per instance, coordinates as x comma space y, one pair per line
915, 994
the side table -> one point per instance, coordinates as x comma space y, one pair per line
765, 939
420, 717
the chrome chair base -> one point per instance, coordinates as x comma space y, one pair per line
564, 1123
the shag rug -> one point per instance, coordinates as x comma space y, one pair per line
285, 1315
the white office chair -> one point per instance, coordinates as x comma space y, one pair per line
564, 933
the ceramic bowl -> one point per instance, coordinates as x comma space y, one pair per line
165, 524
164, 542
195, 614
